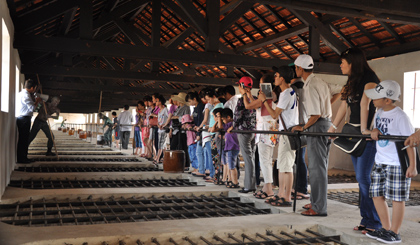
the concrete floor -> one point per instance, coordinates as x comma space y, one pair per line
340, 221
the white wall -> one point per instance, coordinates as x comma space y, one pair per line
8, 129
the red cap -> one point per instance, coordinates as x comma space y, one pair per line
247, 81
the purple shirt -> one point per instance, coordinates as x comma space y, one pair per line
138, 117
231, 139
172, 109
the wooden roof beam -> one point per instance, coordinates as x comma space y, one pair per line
194, 16
95, 48
317, 6
42, 15
128, 75
328, 37
294, 31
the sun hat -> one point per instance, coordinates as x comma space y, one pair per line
180, 98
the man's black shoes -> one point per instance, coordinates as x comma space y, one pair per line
243, 190
26, 161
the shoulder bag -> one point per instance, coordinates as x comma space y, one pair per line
353, 146
293, 140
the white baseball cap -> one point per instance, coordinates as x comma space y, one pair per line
305, 61
386, 89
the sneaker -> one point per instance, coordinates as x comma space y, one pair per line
389, 237
376, 233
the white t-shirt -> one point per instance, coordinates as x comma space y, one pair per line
317, 98
290, 114
231, 103
206, 136
162, 118
393, 122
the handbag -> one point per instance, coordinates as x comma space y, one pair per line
354, 146
293, 140
153, 121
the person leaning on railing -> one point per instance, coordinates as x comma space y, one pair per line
360, 78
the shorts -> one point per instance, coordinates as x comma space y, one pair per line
231, 158
162, 140
389, 181
285, 156
117, 135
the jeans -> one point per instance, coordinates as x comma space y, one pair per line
24, 127
301, 173
137, 139
208, 158
363, 166
200, 158
192, 149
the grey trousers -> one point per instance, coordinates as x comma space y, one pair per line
318, 152
247, 148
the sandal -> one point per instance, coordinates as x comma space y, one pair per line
219, 182
359, 228
272, 199
281, 203
211, 180
263, 196
367, 230
300, 196
307, 206
233, 186
311, 212
258, 193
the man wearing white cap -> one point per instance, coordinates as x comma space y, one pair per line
317, 104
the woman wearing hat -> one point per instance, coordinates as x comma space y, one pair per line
179, 137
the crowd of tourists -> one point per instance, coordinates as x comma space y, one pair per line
214, 128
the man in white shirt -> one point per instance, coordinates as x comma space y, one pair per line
317, 102
25, 107
231, 98
125, 119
